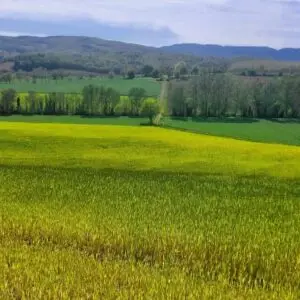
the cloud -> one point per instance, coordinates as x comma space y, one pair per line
81, 27
255, 22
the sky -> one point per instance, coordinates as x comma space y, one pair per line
273, 23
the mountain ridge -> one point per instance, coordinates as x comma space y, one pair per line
88, 54
260, 52
69, 44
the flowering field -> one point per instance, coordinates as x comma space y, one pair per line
140, 212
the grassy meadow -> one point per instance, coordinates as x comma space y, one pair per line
118, 212
76, 85
259, 130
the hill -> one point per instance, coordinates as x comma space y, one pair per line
90, 54
67, 44
287, 54
94, 55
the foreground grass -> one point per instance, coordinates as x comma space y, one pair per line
75, 85
127, 212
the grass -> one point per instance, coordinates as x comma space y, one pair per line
268, 131
125, 121
118, 212
75, 85
280, 132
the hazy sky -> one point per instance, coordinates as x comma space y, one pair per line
273, 23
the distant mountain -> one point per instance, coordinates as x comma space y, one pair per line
87, 54
66, 44
287, 54
88, 45
91, 54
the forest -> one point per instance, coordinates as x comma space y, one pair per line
225, 95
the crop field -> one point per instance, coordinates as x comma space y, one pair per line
124, 121
280, 132
118, 212
76, 85
267, 131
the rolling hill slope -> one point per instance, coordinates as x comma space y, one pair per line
91, 54
101, 56
287, 54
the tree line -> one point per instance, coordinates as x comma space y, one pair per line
93, 101
207, 94
224, 95
155, 65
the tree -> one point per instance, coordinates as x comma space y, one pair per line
8, 97
111, 75
252, 73
123, 107
150, 108
50, 104
92, 96
136, 97
130, 75
179, 66
147, 70
18, 105
111, 99
290, 100
31, 102
117, 70
155, 74
177, 99
183, 71
7, 78
195, 71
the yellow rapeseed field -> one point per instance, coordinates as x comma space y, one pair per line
112, 212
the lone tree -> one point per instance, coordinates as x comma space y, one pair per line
131, 75
147, 70
150, 109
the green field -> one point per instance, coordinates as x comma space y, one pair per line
276, 131
75, 85
125, 121
118, 212
281, 132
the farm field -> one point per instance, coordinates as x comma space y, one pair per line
267, 131
75, 85
129, 121
281, 132
141, 212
